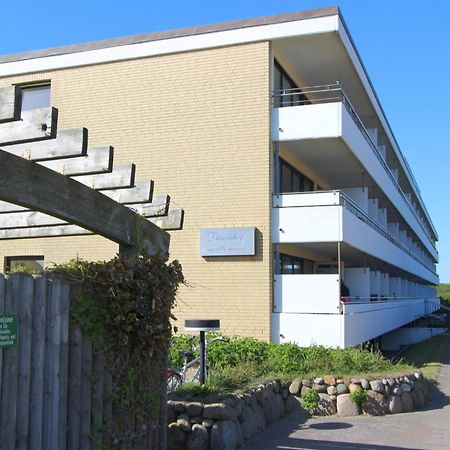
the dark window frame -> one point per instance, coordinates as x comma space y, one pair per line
303, 180
298, 265
34, 86
10, 259
286, 82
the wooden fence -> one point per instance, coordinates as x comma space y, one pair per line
55, 393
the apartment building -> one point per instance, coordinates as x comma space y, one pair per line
303, 221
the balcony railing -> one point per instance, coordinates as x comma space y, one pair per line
330, 93
356, 210
382, 299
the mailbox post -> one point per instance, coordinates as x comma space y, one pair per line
202, 325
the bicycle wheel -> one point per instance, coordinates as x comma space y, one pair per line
174, 381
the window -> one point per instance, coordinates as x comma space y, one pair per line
293, 265
28, 264
35, 96
283, 83
292, 180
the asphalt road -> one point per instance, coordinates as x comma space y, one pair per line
421, 430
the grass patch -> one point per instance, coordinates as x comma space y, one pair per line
443, 291
427, 356
243, 363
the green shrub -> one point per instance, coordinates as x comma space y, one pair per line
359, 396
229, 378
287, 358
235, 351
177, 344
310, 400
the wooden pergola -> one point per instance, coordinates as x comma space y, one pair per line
53, 184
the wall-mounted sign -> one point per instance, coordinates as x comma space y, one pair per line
8, 330
227, 241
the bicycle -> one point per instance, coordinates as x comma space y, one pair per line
176, 377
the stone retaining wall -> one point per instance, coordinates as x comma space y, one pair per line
225, 425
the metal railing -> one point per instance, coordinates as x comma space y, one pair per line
380, 299
355, 209
330, 93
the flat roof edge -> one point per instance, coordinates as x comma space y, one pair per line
169, 34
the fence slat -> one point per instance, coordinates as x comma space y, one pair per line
73, 418
25, 308
64, 306
48, 360
2, 310
86, 374
9, 382
37, 363
55, 369
97, 398
107, 409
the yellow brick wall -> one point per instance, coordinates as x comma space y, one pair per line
198, 124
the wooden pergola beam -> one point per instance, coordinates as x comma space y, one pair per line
40, 189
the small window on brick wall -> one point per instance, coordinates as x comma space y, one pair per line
35, 96
26, 264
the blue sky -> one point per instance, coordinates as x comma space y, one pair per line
404, 45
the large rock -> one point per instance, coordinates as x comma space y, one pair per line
259, 415
377, 386
418, 398
184, 422
330, 380
249, 424
179, 407
375, 404
291, 404
320, 388
365, 384
326, 406
397, 391
345, 407
285, 393
405, 387
280, 405
394, 404
219, 411
235, 403
171, 414
208, 423
176, 437
295, 386
224, 435
239, 435
305, 390
407, 402
198, 438
306, 382
194, 409
331, 390
341, 389
353, 387
270, 406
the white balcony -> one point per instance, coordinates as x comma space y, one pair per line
315, 294
318, 220
307, 310
329, 135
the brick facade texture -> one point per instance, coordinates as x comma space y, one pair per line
198, 124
